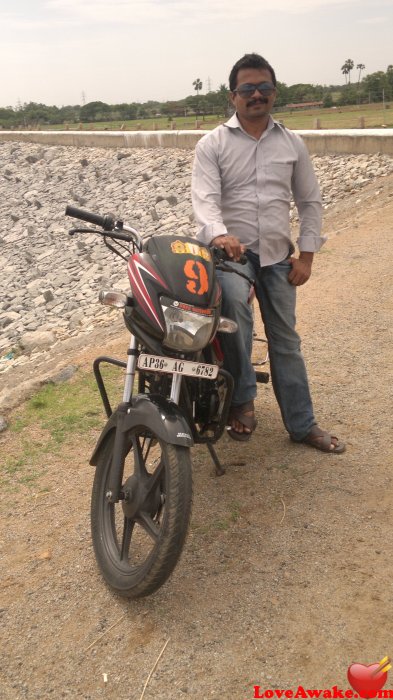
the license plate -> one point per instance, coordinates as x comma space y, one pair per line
156, 363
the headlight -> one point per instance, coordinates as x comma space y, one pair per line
187, 328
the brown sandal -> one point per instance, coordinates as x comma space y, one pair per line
240, 413
322, 440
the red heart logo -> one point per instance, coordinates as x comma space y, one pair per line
366, 680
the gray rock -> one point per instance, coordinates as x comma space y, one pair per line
18, 394
171, 199
36, 340
9, 318
64, 375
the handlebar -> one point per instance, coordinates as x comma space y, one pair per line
122, 232
110, 228
220, 255
106, 222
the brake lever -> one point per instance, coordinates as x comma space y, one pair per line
73, 231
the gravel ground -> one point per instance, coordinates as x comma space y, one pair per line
285, 578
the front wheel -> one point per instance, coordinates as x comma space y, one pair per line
138, 541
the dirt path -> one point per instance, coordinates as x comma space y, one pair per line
286, 575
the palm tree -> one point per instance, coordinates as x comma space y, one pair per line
360, 67
197, 85
350, 64
344, 70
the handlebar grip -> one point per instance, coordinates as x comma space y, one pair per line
105, 222
220, 255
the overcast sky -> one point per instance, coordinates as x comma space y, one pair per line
66, 51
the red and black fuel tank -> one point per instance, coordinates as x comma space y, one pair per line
178, 267
187, 267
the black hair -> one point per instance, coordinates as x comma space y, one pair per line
250, 60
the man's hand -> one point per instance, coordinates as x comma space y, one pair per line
232, 246
301, 269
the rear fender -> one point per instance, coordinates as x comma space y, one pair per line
153, 412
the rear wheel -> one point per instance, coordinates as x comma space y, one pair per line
138, 541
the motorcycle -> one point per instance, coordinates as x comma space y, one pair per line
176, 394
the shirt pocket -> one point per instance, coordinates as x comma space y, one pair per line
279, 176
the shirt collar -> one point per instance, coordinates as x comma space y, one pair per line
234, 123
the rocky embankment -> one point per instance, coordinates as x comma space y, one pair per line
50, 281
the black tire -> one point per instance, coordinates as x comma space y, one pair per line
138, 541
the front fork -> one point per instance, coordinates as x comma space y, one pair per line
132, 353
130, 375
113, 493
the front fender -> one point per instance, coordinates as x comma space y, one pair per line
153, 412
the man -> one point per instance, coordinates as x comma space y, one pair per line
243, 175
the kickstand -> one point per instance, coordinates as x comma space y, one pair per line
213, 454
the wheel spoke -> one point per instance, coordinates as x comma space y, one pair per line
146, 521
149, 444
139, 459
154, 479
128, 528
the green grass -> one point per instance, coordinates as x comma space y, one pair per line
50, 423
375, 115
341, 118
150, 124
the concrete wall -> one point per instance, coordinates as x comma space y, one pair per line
319, 142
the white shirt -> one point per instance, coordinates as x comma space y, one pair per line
242, 186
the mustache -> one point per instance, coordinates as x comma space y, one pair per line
259, 100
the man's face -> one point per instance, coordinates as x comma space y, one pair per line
254, 105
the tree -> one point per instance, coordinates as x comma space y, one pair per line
283, 95
374, 84
346, 69
38, 113
300, 92
389, 78
197, 85
360, 67
223, 97
95, 111
8, 118
350, 65
123, 111
349, 96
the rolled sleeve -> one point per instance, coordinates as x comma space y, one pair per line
310, 244
206, 194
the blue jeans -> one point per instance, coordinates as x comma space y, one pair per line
277, 301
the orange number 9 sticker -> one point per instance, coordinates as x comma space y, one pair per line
196, 273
